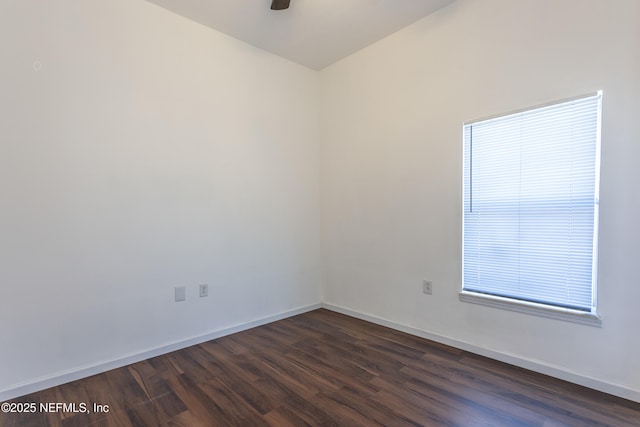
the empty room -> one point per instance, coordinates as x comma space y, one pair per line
319, 212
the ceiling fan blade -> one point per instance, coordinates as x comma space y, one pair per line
280, 4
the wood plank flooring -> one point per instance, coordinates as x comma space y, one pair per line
326, 369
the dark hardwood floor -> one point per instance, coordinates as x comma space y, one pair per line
325, 369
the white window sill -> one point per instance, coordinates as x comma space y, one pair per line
566, 314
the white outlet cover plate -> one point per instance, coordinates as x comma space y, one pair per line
427, 287
204, 291
180, 293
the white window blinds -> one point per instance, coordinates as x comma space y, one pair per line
531, 204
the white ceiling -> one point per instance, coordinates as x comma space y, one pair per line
314, 33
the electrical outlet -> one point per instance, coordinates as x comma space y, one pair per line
180, 293
427, 287
204, 291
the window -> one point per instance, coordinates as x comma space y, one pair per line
531, 209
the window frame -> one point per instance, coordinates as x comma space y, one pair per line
591, 318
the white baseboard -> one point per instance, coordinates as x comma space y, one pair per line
59, 378
63, 377
536, 366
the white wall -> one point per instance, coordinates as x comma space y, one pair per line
391, 171
148, 152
